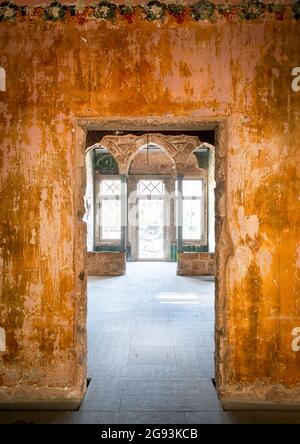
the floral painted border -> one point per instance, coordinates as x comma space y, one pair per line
154, 10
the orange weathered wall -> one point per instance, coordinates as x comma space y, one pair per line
59, 72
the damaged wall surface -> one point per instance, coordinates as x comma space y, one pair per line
236, 71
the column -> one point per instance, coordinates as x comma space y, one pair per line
123, 198
179, 214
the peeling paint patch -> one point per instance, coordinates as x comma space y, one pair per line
265, 260
33, 236
249, 224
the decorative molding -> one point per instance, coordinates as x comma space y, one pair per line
153, 11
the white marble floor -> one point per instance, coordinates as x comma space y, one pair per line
150, 353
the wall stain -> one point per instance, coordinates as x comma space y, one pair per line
60, 72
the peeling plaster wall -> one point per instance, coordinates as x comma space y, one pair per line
59, 72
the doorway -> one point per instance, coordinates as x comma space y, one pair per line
150, 191
151, 216
178, 298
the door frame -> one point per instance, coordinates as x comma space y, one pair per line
223, 239
133, 231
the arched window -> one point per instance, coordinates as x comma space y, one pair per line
151, 160
102, 200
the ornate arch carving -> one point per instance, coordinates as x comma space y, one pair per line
125, 148
120, 147
154, 139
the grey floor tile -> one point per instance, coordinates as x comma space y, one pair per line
120, 307
154, 305
192, 336
112, 325
152, 332
132, 417
95, 417
107, 356
151, 355
200, 326
109, 339
194, 355
101, 400
187, 315
151, 315
194, 372
108, 383
162, 338
170, 396
140, 372
207, 418
112, 316
207, 313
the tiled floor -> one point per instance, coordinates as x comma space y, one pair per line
150, 353
151, 345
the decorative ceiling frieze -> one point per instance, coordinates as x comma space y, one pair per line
153, 11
